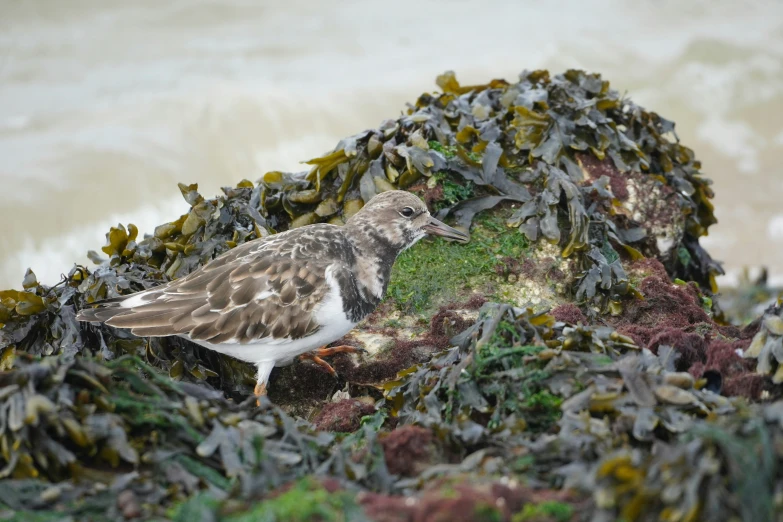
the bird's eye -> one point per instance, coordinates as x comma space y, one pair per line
406, 212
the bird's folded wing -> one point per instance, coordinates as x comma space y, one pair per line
246, 295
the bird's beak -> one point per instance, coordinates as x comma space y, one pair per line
438, 228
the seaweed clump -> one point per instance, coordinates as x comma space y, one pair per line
767, 344
515, 372
584, 408
154, 440
498, 379
41, 320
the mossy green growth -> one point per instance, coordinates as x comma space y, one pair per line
307, 500
484, 512
505, 352
194, 508
504, 343
454, 190
543, 409
435, 272
448, 151
545, 511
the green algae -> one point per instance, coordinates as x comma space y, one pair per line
435, 272
447, 150
551, 510
485, 512
498, 382
453, 191
306, 500
422, 273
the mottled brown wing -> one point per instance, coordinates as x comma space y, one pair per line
255, 291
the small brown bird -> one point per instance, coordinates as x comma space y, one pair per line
288, 295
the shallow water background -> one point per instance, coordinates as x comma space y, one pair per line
106, 105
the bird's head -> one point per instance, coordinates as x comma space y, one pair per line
402, 219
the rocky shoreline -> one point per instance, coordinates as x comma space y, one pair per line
572, 362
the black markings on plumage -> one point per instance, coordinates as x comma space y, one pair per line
303, 288
409, 236
382, 247
356, 304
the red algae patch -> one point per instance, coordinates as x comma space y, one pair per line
648, 266
569, 313
666, 309
342, 416
672, 315
474, 302
445, 325
408, 450
445, 503
666, 303
431, 195
596, 168
384, 367
738, 374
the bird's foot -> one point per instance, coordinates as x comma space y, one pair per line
259, 391
326, 352
316, 355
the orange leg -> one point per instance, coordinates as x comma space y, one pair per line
259, 391
264, 369
316, 355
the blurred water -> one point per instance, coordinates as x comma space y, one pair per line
106, 105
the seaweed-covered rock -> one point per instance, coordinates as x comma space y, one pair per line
564, 159
568, 363
515, 372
